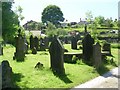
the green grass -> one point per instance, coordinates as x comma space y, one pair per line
25, 76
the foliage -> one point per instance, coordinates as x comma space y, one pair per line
53, 14
99, 20
89, 16
51, 29
9, 22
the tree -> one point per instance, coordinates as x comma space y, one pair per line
99, 20
53, 14
9, 22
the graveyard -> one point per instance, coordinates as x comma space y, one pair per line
55, 53
25, 75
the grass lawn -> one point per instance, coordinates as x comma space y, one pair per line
25, 76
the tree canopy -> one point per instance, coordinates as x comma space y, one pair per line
53, 14
9, 22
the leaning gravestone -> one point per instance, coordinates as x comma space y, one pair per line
56, 51
74, 43
6, 75
97, 55
87, 42
20, 50
107, 47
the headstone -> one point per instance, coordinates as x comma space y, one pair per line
85, 29
25, 45
97, 55
31, 42
36, 42
87, 43
34, 50
46, 42
42, 45
6, 75
1, 49
74, 43
107, 47
20, 51
56, 51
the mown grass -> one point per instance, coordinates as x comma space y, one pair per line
25, 76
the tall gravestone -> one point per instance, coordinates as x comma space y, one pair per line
85, 29
6, 75
97, 55
36, 42
87, 43
31, 42
20, 47
74, 43
56, 51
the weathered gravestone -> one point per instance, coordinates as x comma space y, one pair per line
56, 51
46, 42
107, 47
87, 43
85, 29
31, 42
42, 44
6, 75
36, 42
26, 45
1, 49
66, 40
74, 43
20, 47
97, 55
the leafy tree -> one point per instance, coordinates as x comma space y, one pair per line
99, 20
109, 23
9, 22
53, 14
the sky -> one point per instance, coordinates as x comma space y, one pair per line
72, 10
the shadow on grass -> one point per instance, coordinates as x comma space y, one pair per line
63, 77
16, 77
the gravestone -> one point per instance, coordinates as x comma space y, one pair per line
46, 42
85, 29
36, 42
97, 55
6, 75
20, 50
66, 40
74, 43
25, 45
87, 43
42, 44
31, 42
107, 47
1, 49
56, 51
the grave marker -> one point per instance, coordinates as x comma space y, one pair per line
97, 55
56, 51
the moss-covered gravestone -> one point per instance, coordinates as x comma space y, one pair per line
20, 47
36, 42
56, 51
97, 55
74, 43
87, 42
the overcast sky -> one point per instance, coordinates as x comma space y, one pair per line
73, 10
